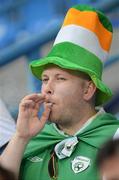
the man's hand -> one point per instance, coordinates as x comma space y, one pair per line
28, 122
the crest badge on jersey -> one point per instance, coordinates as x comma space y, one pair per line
35, 159
80, 163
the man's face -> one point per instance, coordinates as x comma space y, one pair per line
110, 169
65, 91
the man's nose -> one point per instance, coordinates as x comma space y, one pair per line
49, 88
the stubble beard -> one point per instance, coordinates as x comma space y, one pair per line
61, 118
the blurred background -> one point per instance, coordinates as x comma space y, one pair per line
27, 31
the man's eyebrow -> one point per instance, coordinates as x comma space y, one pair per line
44, 74
58, 74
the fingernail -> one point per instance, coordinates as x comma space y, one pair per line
41, 95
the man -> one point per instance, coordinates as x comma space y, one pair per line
108, 160
71, 89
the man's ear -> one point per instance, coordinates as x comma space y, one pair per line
89, 90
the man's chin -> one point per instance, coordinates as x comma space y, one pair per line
52, 119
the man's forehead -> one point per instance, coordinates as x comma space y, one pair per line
54, 69
51, 68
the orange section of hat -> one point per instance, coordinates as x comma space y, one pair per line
90, 21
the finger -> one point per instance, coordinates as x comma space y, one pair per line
35, 97
37, 107
46, 113
38, 104
26, 104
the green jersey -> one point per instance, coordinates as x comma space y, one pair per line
81, 164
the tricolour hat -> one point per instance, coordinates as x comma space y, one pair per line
82, 44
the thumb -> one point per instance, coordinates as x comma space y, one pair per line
46, 114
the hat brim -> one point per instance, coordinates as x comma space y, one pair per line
38, 66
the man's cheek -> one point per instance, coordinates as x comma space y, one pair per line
65, 93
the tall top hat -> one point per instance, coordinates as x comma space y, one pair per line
82, 44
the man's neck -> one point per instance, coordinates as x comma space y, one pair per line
78, 124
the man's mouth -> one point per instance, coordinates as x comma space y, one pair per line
49, 102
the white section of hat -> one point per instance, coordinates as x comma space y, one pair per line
82, 37
7, 124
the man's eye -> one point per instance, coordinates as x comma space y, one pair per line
61, 78
44, 80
